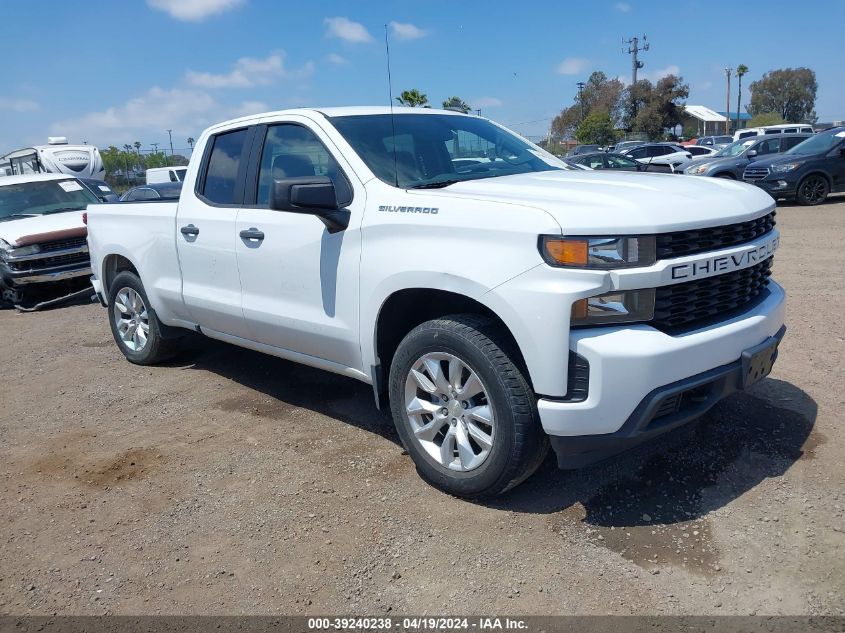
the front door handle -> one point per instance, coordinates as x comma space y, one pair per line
189, 231
252, 234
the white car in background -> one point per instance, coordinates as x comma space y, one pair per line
701, 151
665, 155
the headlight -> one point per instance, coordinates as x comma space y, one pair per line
603, 253
779, 169
7, 250
695, 171
625, 306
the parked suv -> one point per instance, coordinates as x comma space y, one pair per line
807, 173
731, 161
667, 155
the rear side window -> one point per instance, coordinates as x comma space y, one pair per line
789, 143
747, 134
223, 165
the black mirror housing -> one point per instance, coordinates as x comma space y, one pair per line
313, 195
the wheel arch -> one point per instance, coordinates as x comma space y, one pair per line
113, 265
404, 309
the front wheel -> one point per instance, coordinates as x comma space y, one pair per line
812, 190
134, 325
463, 407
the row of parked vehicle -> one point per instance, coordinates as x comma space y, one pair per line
801, 166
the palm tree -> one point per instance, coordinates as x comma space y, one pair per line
412, 98
740, 71
137, 145
456, 103
191, 142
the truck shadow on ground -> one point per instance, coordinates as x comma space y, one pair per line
686, 474
675, 479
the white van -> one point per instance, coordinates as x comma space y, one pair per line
783, 128
166, 174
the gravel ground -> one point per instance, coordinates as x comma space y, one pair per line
231, 482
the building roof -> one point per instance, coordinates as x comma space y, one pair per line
703, 113
743, 116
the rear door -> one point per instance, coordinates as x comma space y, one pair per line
836, 161
206, 237
300, 282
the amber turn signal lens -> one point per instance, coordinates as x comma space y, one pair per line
579, 309
567, 252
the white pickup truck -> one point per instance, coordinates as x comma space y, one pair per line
499, 301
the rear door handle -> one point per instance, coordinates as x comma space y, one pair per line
189, 231
252, 234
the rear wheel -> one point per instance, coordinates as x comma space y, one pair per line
134, 325
812, 190
463, 408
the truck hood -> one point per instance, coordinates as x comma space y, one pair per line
597, 202
42, 228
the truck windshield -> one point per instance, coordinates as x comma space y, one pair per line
43, 197
436, 150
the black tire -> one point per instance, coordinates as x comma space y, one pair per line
519, 444
157, 348
812, 190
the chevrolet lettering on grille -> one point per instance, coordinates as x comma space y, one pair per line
725, 263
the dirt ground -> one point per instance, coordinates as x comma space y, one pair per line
231, 482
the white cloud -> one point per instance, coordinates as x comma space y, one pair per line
337, 60
347, 30
572, 65
622, 7
249, 107
18, 105
248, 72
406, 31
486, 102
148, 116
193, 10
659, 73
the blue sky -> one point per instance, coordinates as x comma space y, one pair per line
113, 72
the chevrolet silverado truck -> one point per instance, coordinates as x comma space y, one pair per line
498, 301
43, 248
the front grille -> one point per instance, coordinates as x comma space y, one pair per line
58, 245
755, 173
694, 241
694, 303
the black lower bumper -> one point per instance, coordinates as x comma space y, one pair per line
664, 409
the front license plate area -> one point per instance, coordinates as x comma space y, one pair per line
757, 361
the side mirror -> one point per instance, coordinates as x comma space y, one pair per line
313, 195
751, 153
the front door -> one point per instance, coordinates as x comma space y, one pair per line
206, 236
300, 282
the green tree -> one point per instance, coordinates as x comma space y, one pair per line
191, 142
765, 118
596, 128
177, 160
155, 159
412, 98
791, 92
652, 109
600, 94
456, 103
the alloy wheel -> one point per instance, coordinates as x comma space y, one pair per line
450, 413
131, 319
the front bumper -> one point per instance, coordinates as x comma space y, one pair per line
36, 274
628, 364
777, 187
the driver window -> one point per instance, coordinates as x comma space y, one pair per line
294, 151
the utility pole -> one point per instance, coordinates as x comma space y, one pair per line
581, 85
633, 49
170, 136
728, 72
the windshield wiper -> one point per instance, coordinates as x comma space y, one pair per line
439, 184
18, 215
63, 210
